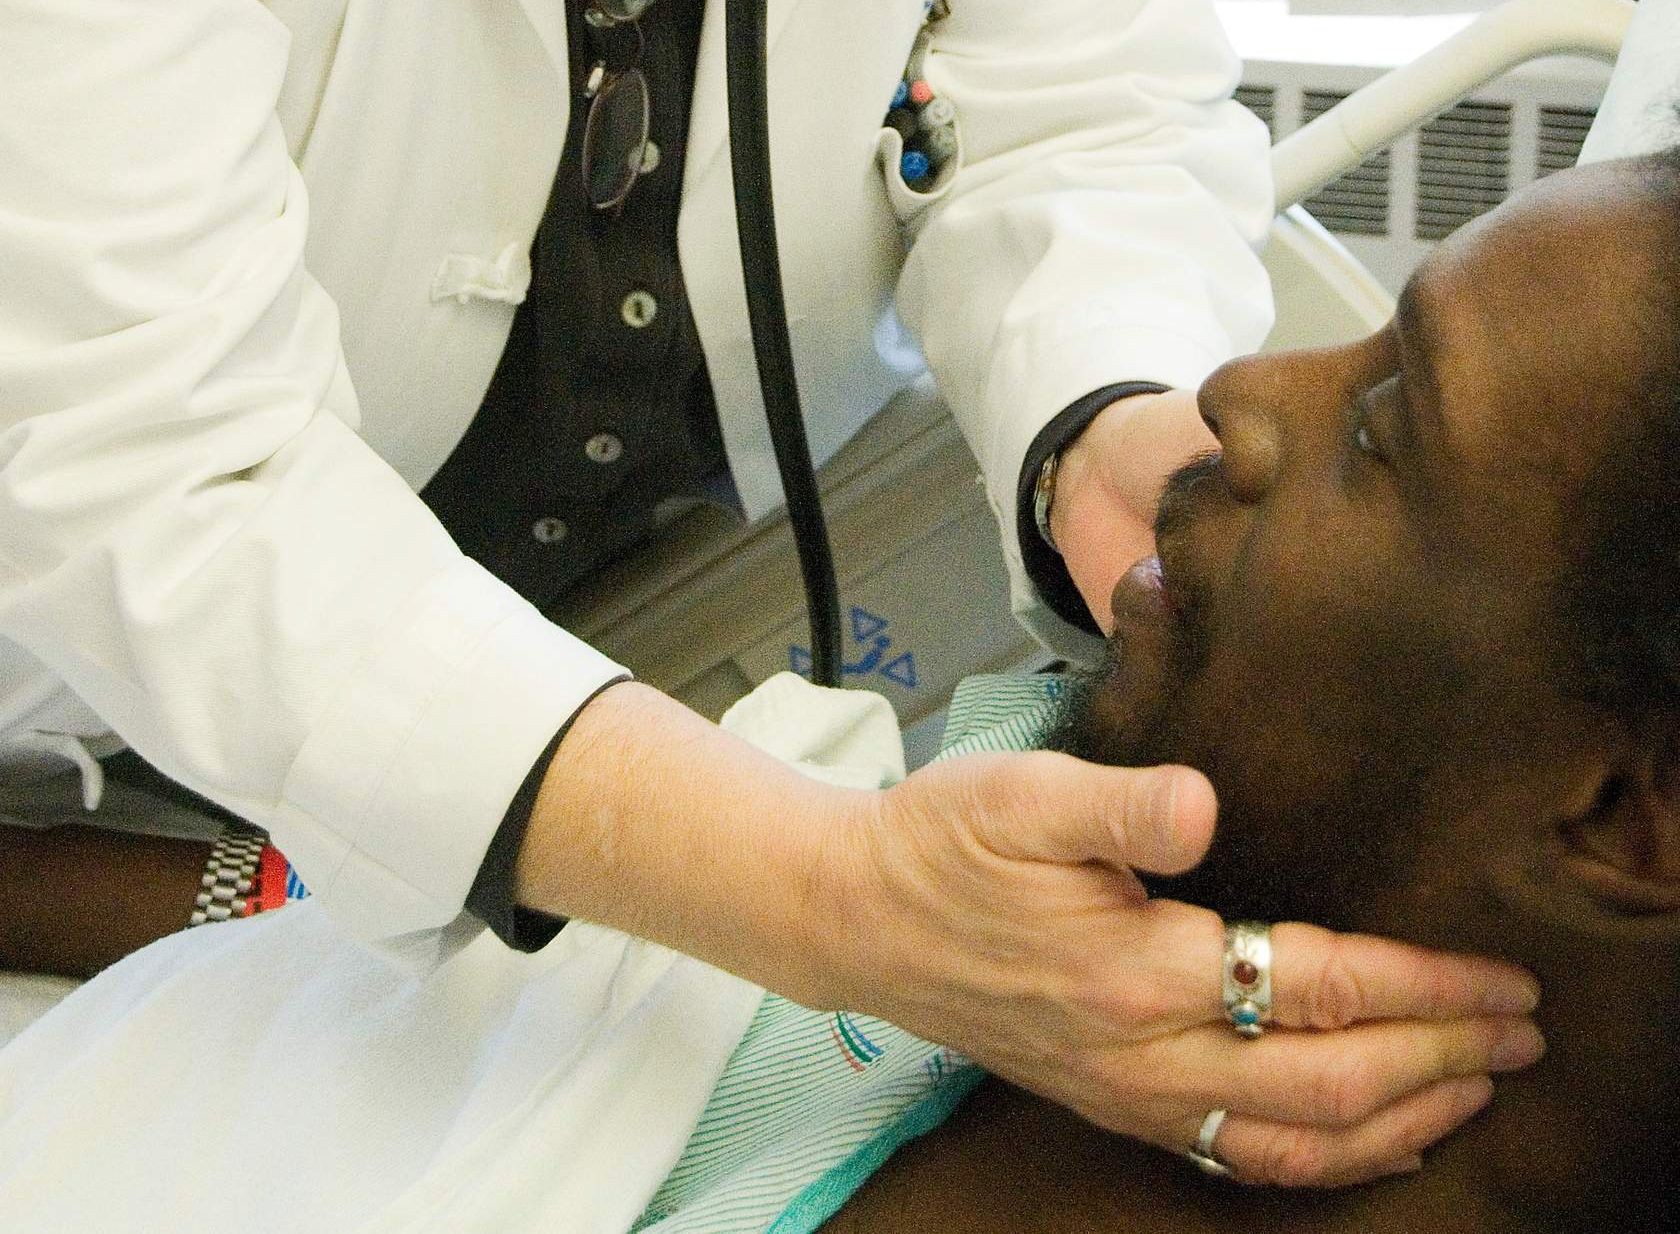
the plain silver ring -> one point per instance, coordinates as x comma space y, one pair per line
1201, 1152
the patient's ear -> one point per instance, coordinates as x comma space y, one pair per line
1622, 832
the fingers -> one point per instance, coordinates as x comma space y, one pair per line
1325, 980
1390, 1141
1342, 1079
1158, 819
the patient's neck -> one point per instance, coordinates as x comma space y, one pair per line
1586, 1139
1582, 1142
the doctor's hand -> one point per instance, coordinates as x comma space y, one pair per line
1108, 483
988, 903
995, 901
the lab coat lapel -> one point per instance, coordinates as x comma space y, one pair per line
833, 66
708, 122
548, 18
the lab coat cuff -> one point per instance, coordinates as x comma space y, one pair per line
410, 775
491, 898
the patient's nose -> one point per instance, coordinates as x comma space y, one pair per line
1235, 404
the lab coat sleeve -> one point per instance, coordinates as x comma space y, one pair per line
1102, 227
192, 535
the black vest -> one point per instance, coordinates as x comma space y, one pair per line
600, 416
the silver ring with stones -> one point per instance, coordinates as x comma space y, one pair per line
1201, 1152
1248, 976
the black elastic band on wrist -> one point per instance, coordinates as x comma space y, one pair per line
1044, 565
490, 898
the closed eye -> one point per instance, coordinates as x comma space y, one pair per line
1364, 440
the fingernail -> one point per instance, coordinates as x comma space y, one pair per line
1521, 1045
1411, 1165
1512, 997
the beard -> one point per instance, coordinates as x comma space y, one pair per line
1311, 849
1323, 859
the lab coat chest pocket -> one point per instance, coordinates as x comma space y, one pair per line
908, 202
920, 148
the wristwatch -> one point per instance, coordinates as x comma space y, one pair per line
229, 874
1044, 493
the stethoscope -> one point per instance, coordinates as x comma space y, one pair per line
747, 59
747, 64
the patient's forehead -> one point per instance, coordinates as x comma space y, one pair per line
1542, 326
1556, 285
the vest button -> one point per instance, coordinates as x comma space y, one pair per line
603, 448
549, 530
639, 309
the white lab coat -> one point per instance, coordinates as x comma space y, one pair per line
491, 1093
260, 260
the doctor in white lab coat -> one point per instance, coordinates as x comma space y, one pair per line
258, 262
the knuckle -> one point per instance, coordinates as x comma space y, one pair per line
1294, 1158
1016, 788
1433, 989
1347, 1090
1115, 1011
1337, 997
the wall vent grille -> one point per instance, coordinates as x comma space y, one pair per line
1464, 167
1563, 131
1431, 180
1262, 101
1358, 203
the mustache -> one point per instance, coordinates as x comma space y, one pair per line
1183, 497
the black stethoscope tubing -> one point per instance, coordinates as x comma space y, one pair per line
747, 60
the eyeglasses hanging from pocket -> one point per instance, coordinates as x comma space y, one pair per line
615, 133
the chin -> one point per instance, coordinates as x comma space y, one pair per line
1098, 718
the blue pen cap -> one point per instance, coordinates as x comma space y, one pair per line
915, 166
901, 95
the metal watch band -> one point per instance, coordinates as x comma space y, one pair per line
1044, 492
229, 874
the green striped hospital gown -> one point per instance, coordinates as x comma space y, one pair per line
811, 1103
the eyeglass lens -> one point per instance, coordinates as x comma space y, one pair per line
615, 138
622, 10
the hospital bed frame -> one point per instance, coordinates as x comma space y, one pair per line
1324, 295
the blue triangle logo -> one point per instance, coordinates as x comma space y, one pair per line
902, 671
866, 625
799, 660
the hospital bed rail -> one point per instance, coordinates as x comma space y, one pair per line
1324, 294
1400, 100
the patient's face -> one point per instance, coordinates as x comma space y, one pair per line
1355, 633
